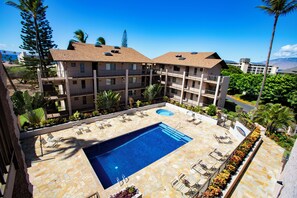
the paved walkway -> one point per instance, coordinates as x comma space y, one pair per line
245, 107
260, 178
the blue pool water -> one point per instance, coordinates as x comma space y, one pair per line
130, 153
164, 112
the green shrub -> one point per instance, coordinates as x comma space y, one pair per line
165, 98
95, 113
76, 115
211, 110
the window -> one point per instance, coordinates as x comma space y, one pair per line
83, 84
132, 80
74, 82
110, 66
176, 68
192, 95
73, 64
76, 98
193, 84
174, 79
82, 68
132, 66
110, 81
132, 92
84, 99
195, 71
174, 91
201, 69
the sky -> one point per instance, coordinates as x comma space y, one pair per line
232, 28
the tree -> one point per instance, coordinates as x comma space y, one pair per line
250, 84
231, 70
274, 116
80, 36
124, 39
152, 91
36, 31
275, 8
101, 41
108, 99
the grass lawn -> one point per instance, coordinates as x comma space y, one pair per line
39, 112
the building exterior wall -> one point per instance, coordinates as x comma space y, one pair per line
247, 67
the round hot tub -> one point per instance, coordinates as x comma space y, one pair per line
164, 112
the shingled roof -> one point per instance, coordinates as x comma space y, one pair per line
88, 52
201, 59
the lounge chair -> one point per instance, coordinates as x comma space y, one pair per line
51, 138
139, 114
122, 119
217, 155
199, 169
99, 125
85, 128
125, 116
77, 130
106, 123
190, 119
190, 179
179, 186
197, 121
144, 113
48, 144
223, 139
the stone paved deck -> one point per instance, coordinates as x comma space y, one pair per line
260, 178
66, 172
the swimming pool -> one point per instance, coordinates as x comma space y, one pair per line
127, 154
164, 112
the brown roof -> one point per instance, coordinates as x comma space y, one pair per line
88, 52
201, 59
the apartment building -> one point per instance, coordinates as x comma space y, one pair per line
247, 67
86, 69
193, 78
14, 179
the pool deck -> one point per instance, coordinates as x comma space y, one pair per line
66, 172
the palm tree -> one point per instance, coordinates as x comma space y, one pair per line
275, 8
152, 91
80, 36
108, 99
32, 7
100, 41
274, 116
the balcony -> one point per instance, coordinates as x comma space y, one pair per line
209, 93
191, 90
211, 79
118, 72
54, 79
82, 94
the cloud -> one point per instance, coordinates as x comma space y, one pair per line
287, 51
3, 45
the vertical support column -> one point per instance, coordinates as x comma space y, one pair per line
217, 90
166, 81
68, 93
182, 90
126, 87
151, 76
200, 90
39, 80
256, 70
95, 88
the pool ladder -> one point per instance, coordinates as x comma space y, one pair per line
124, 180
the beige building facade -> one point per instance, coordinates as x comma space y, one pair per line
85, 70
193, 78
246, 66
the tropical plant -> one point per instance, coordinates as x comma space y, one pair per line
131, 101
23, 102
275, 8
80, 36
152, 91
36, 32
108, 99
124, 39
100, 41
34, 117
274, 116
138, 103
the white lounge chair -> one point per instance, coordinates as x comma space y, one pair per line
197, 121
48, 144
144, 113
99, 125
106, 123
139, 114
190, 119
77, 130
85, 128
122, 119
177, 185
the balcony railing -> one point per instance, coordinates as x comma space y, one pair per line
208, 91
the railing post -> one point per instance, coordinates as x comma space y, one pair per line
166, 79
151, 76
126, 87
217, 90
68, 93
182, 90
95, 88
200, 90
